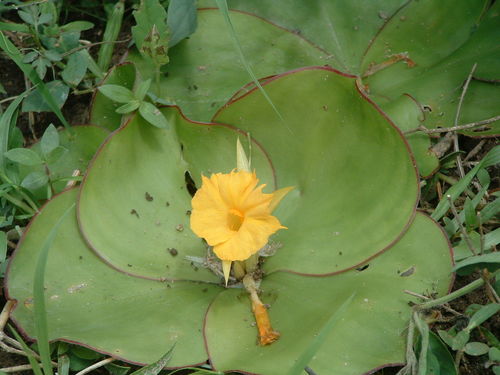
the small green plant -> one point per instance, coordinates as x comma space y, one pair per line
135, 100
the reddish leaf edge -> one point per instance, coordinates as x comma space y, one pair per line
391, 123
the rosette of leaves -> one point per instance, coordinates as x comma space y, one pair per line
127, 277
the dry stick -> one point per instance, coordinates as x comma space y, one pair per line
10, 349
460, 225
17, 368
31, 115
95, 365
4, 315
459, 108
470, 125
475, 150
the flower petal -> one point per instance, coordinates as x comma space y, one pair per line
252, 236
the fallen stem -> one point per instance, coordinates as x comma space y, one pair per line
471, 125
456, 294
17, 368
96, 365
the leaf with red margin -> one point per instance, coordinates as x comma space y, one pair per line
205, 69
371, 334
91, 304
355, 183
134, 203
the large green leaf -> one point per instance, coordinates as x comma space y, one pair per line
370, 334
205, 70
343, 28
90, 303
444, 45
355, 182
134, 204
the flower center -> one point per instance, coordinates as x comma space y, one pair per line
234, 219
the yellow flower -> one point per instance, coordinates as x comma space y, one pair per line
233, 214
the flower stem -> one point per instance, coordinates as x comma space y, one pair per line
267, 335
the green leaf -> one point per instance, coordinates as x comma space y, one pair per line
40, 312
29, 353
446, 337
76, 68
317, 151
55, 155
81, 144
35, 180
122, 197
50, 140
3, 246
460, 340
181, 20
155, 368
150, 13
117, 93
370, 313
24, 156
41, 65
77, 26
102, 112
201, 81
7, 122
482, 315
53, 55
45, 18
26, 17
476, 348
63, 363
36, 101
85, 353
320, 338
491, 158
153, 115
489, 261
490, 337
30, 57
439, 359
12, 51
494, 354
142, 89
222, 4
128, 107
490, 210
144, 332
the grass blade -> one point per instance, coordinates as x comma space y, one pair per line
41, 328
315, 344
491, 158
155, 368
15, 55
33, 362
222, 4
5, 125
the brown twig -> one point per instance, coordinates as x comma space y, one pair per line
471, 125
475, 150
